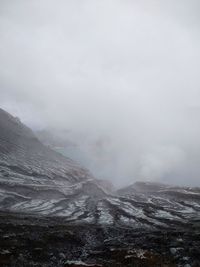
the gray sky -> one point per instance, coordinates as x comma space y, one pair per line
126, 69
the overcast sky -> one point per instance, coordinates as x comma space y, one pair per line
126, 69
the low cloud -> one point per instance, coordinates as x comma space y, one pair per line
124, 70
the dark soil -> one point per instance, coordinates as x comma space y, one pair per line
29, 241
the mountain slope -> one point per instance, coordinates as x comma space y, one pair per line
54, 213
37, 180
31, 172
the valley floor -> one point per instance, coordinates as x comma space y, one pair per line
44, 241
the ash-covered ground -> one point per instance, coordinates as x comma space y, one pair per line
43, 241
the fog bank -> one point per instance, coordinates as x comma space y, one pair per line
125, 72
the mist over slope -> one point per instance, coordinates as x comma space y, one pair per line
54, 212
37, 180
126, 70
32, 174
96, 153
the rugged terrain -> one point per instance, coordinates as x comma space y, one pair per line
43, 241
54, 213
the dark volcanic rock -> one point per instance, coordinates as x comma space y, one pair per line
42, 241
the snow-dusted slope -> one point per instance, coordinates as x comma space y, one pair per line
31, 173
35, 179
